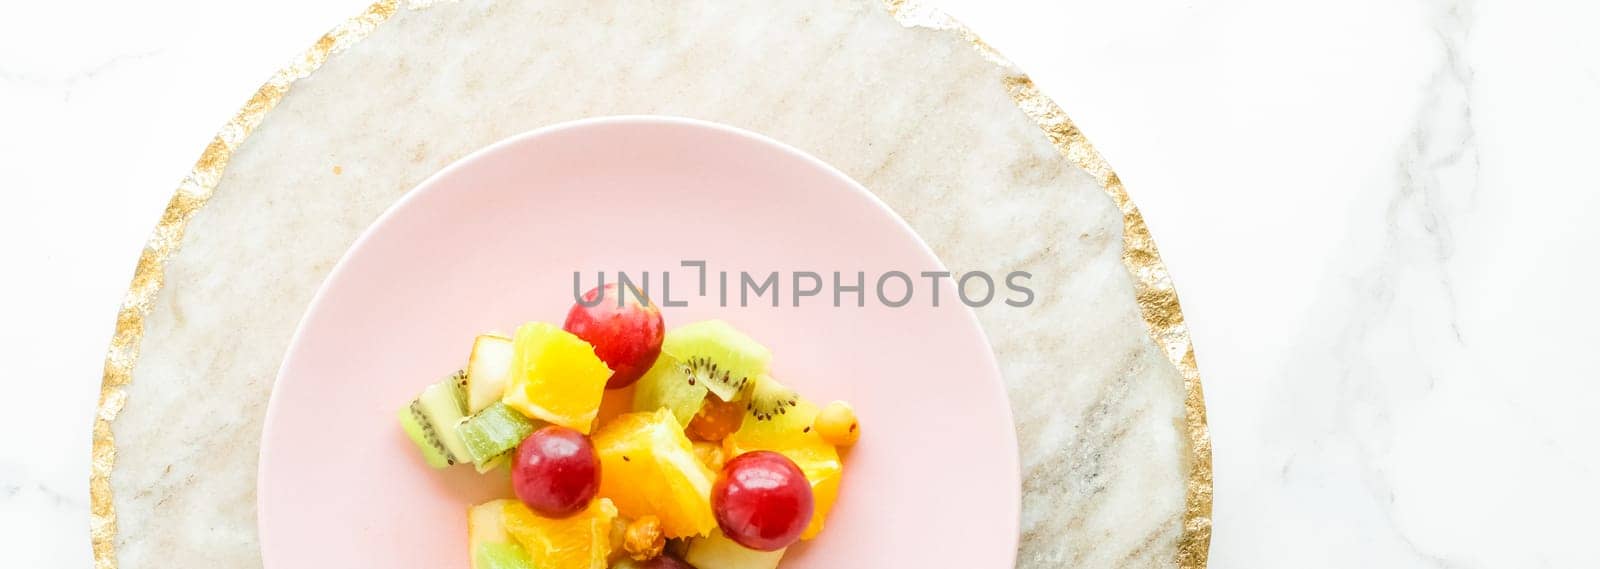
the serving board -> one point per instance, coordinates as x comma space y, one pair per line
1100, 371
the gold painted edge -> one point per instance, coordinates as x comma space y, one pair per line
192, 194
1158, 304
1157, 298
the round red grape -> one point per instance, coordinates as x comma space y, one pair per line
762, 501
626, 333
556, 472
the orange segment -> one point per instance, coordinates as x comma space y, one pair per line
791, 435
582, 541
555, 376
649, 468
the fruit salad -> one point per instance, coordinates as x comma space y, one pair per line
632, 446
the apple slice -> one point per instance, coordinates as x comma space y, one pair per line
488, 371
716, 551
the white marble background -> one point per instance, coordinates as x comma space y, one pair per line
1376, 212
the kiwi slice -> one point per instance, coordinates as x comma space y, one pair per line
431, 418
718, 356
416, 427
769, 399
668, 385
493, 432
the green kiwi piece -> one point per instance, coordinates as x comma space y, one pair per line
769, 399
415, 426
459, 380
430, 420
718, 356
668, 385
493, 432
501, 556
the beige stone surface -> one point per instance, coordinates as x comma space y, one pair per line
916, 115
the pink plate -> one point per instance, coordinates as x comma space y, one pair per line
494, 240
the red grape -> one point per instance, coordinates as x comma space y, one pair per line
556, 472
762, 501
627, 336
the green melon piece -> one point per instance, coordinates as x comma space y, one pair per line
500, 556
492, 433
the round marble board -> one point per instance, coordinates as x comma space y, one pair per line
1102, 378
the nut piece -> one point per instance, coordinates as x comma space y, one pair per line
837, 424
644, 540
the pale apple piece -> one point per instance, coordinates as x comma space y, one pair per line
716, 551
488, 371
486, 524
488, 542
